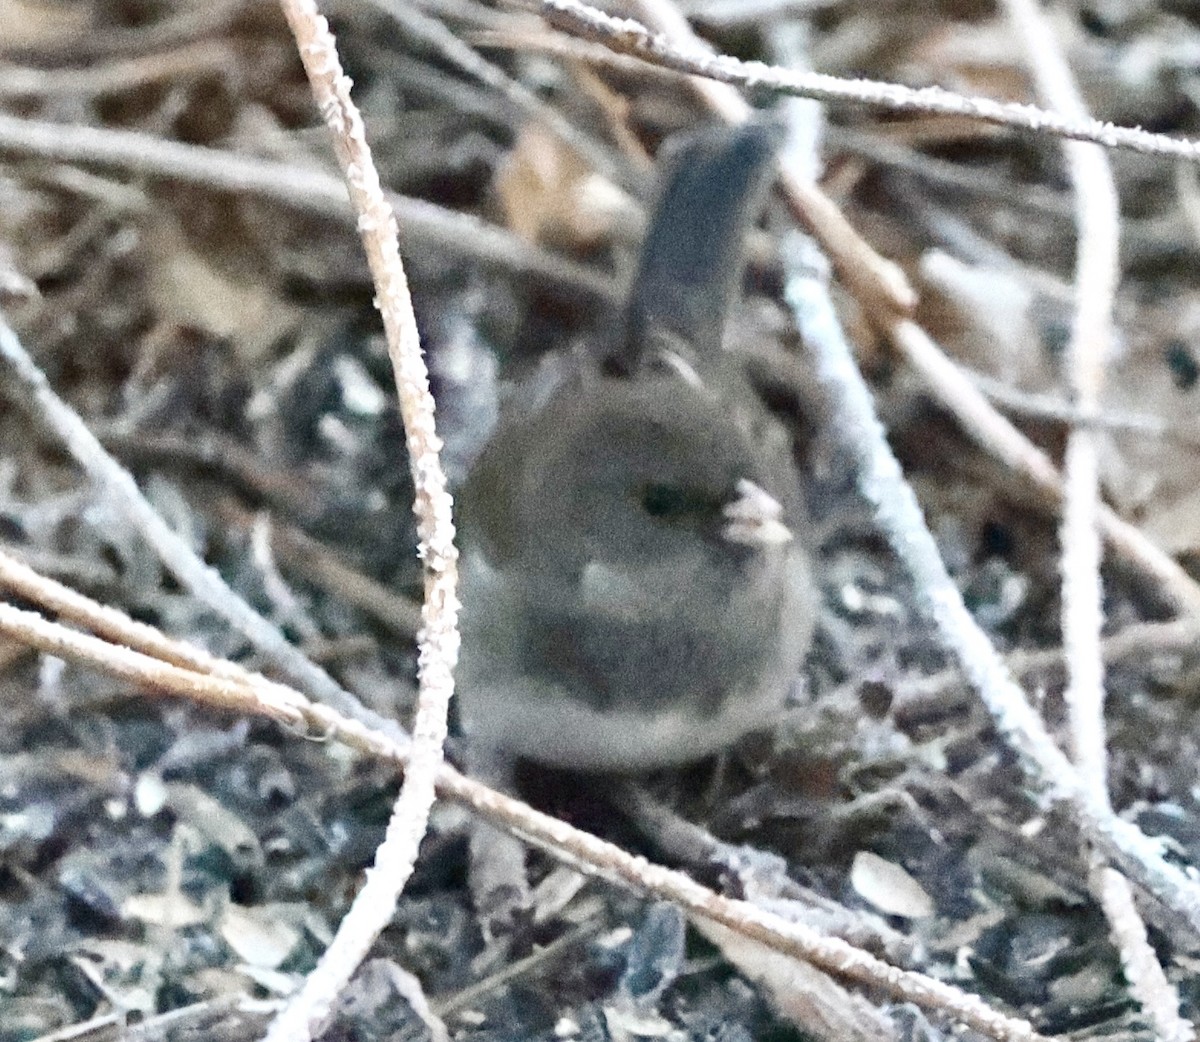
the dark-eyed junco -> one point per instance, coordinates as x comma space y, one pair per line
635, 586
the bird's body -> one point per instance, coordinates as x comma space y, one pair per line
634, 594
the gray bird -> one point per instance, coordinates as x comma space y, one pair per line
635, 589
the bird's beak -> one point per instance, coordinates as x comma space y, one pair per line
753, 518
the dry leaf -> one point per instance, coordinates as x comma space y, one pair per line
888, 888
550, 195
260, 936
172, 910
810, 999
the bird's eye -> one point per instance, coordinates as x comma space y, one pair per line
673, 501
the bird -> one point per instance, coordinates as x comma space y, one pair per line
635, 576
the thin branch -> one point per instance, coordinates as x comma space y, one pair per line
944, 692
319, 565
144, 671
1157, 996
194, 58
396, 856
308, 190
1097, 218
22, 581
630, 37
954, 390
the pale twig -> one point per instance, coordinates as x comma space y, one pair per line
943, 692
116, 484
1050, 774
1157, 996
562, 841
396, 856
200, 57
309, 190
631, 37
111, 623
1032, 405
320, 566
143, 670
1096, 275
1097, 217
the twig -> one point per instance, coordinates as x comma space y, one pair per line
308, 190
1157, 996
630, 37
189, 59
143, 670
880, 149
111, 623
1097, 216
319, 565
573, 847
1050, 774
397, 854
115, 483
1096, 274
917, 699
1033, 405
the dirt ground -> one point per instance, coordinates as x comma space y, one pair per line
169, 871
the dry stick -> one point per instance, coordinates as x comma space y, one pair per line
563, 842
1096, 275
630, 37
189, 59
1097, 216
317, 564
308, 190
917, 698
519, 97
145, 671
1051, 775
22, 581
1158, 996
116, 484
396, 856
